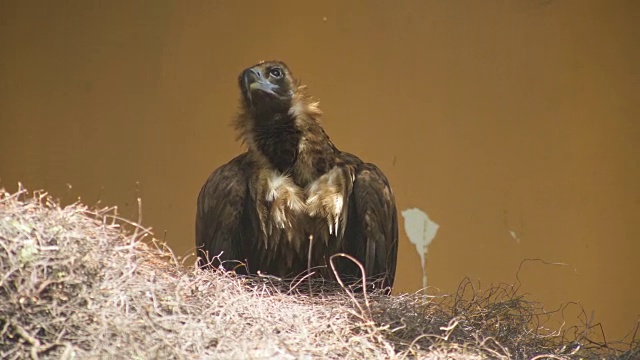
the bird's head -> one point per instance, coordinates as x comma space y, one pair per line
267, 86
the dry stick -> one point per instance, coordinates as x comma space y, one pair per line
308, 275
495, 352
135, 232
25, 335
146, 231
364, 282
35, 343
519, 283
547, 356
448, 330
309, 263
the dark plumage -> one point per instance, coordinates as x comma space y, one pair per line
261, 207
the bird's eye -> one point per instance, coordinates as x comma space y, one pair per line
276, 72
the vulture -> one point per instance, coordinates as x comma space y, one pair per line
293, 200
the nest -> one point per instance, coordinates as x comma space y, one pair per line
77, 282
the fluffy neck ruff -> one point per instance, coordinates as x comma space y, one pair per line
274, 135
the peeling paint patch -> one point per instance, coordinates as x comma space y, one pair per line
421, 231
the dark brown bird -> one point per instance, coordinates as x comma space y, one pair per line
293, 189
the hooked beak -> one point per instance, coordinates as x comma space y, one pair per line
254, 81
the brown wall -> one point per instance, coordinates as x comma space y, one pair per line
489, 116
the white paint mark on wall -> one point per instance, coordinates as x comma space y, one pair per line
421, 231
514, 236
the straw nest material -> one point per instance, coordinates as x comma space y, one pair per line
77, 282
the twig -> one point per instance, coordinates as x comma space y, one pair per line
364, 282
309, 263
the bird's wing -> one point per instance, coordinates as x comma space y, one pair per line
221, 214
372, 229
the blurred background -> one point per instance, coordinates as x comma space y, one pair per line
512, 125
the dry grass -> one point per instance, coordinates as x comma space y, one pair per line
79, 283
